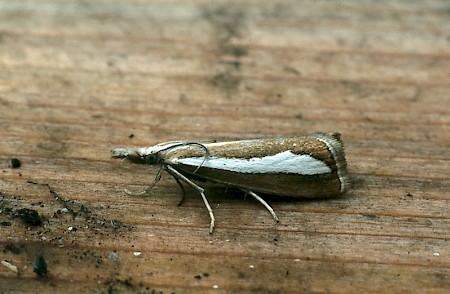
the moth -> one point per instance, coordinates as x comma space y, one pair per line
310, 166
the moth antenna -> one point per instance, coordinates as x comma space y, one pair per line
191, 143
149, 188
204, 159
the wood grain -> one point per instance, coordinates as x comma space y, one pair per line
78, 78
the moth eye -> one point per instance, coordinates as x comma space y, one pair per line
151, 159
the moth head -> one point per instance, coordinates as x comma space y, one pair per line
136, 156
152, 159
155, 154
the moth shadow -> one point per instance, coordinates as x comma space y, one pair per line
215, 192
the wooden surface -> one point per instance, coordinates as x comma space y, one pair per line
77, 78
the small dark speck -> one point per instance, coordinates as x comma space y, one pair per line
29, 216
14, 249
205, 275
40, 266
15, 162
409, 195
291, 70
370, 215
183, 98
198, 277
131, 135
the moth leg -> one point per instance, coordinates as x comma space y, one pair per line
199, 189
263, 202
183, 195
149, 188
